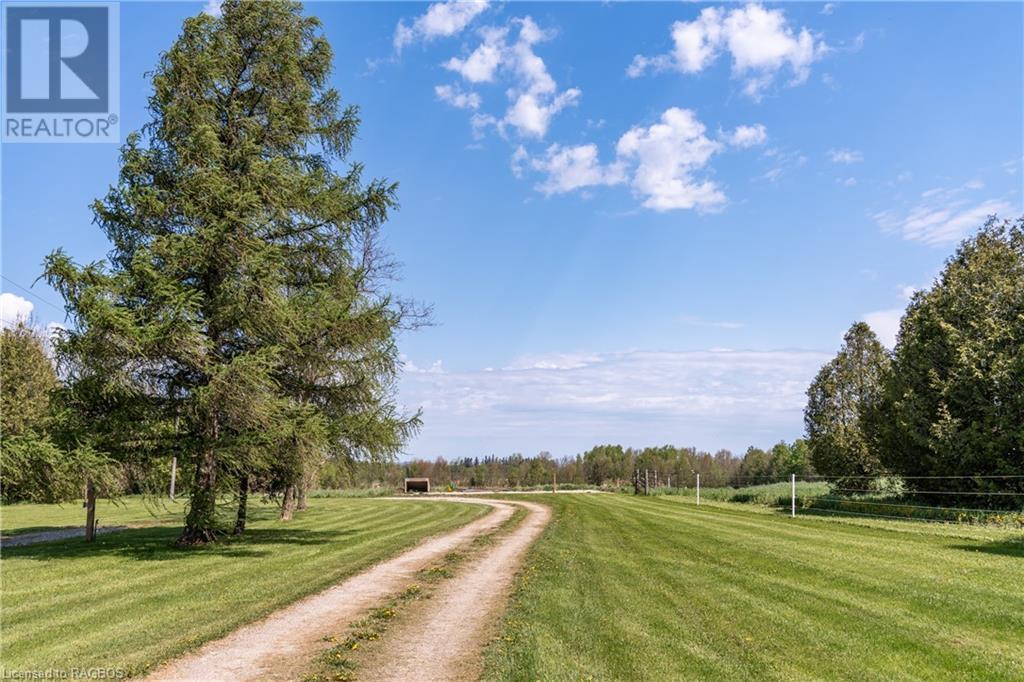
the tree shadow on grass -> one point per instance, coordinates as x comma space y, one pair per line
1011, 547
157, 544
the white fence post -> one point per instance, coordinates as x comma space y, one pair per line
792, 505
698, 490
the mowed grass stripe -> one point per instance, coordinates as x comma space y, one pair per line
96, 611
112, 592
903, 562
124, 585
911, 572
667, 590
133, 601
871, 600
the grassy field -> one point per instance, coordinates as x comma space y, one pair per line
131, 600
768, 494
658, 588
16, 519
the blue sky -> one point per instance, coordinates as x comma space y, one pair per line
637, 223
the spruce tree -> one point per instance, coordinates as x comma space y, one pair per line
839, 401
244, 299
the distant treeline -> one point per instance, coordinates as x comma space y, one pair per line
602, 465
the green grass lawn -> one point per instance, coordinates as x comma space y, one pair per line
131, 600
16, 519
620, 587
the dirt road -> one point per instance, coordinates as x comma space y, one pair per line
444, 639
287, 641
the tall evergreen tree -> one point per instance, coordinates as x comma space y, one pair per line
245, 295
954, 401
42, 459
838, 401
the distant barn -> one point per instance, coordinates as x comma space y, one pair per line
417, 485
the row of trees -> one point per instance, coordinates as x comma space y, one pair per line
242, 321
602, 465
948, 402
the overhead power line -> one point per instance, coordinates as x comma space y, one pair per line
32, 293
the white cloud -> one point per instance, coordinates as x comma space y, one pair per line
571, 168
885, 324
846, 156
659, 161
784, 162
829, 8
436, 367
747, 136
14, 308
847, 182
534, 98
571, 401
441, 20
212, 7
760, 42
519, 157
456, 97
667, 154
482, 63
531, 114
943, 216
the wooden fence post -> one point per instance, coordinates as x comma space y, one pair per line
90, 511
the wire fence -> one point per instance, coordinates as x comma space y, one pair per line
989, 499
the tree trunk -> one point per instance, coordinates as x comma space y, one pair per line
243, 500
199, 524
174, 474
90, 512
302, 504
288, 505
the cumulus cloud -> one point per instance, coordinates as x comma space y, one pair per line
845, 156
456, 97
534, 97
660, 162
571, 168
760, 42
441, 20
569, 401
483, 62
748, 136
943, 216
14, 308
667, 154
